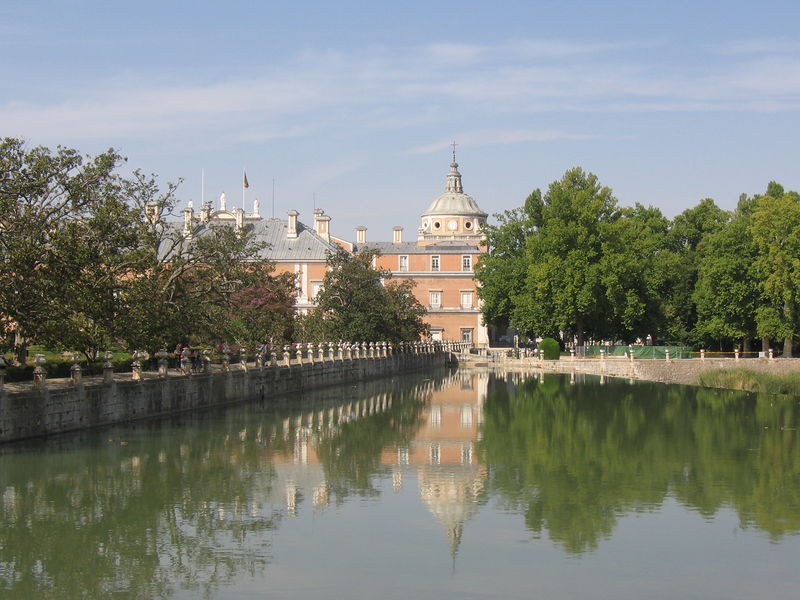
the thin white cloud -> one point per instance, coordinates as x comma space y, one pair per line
383, 89
492, 137
759, 46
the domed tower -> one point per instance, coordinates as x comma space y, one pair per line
454, 215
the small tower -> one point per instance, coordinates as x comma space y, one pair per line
454, 215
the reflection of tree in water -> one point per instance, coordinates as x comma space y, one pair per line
183, 508
351, 452
135, 521
575, 458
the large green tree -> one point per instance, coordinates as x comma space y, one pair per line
679, 264
726, 293
355, 305
775, 227
46, 200
89, 258
564, 290
502, 270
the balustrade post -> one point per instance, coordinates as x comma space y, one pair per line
736, 354
287, 356
572, 353
226, 358
702, 353
310, 348
771, 354
3, 365
108, 367
273, 359
602, 355
207, 360
136, 365
631, 355
666, 354
75, 372
300, 354
163, 366
39, 372
330, 351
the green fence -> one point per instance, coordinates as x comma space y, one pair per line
643, 352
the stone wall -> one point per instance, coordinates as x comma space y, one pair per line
682, 371
68, 407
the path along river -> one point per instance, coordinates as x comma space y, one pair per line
456, 484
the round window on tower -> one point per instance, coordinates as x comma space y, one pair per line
468, 225
424, 223
437, 225
452, 225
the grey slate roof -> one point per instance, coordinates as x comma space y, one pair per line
307, 246
444, 247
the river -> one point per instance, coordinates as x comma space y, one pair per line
455, 484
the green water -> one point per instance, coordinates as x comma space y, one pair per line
451, 485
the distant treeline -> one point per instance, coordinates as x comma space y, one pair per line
573, 264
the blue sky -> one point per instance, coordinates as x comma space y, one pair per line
351, 106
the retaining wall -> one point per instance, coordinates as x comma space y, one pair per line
70, 407
682, 371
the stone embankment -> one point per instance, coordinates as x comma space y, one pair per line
29, 410
682, 371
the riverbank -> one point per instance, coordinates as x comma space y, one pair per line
681, 371
59, 406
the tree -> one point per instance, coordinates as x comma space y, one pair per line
564, 289
679, 265
633, 282
44, 198
264, 313
726, 292
354, 305
775, 227
89, 259
502, 270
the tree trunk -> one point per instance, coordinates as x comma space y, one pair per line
20, 347
579, 329
787, 345
765, 344
746, 346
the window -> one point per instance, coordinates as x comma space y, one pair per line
466, 263
403, 265
435, 454
316, 286
436, 416
466, 335
436, 298
466, 299
434, 263
402, 456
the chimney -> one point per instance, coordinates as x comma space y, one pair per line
188, 218
153, 212
205, 212
239, 214
322, 223
397, 235
291, 230
361, 235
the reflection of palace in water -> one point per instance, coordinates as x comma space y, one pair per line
441, 454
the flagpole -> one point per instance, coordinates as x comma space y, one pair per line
202, 187
273, 197
244, 184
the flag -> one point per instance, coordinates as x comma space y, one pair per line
244, 183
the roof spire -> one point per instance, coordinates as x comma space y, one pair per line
454, 177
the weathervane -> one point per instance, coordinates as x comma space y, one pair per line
454, 150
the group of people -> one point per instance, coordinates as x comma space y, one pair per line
193, 354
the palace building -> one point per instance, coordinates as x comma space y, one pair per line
441, 261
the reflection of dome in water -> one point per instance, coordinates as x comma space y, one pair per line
451, 493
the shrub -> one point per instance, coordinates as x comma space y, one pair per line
550, 349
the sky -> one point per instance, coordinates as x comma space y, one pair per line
352, 107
